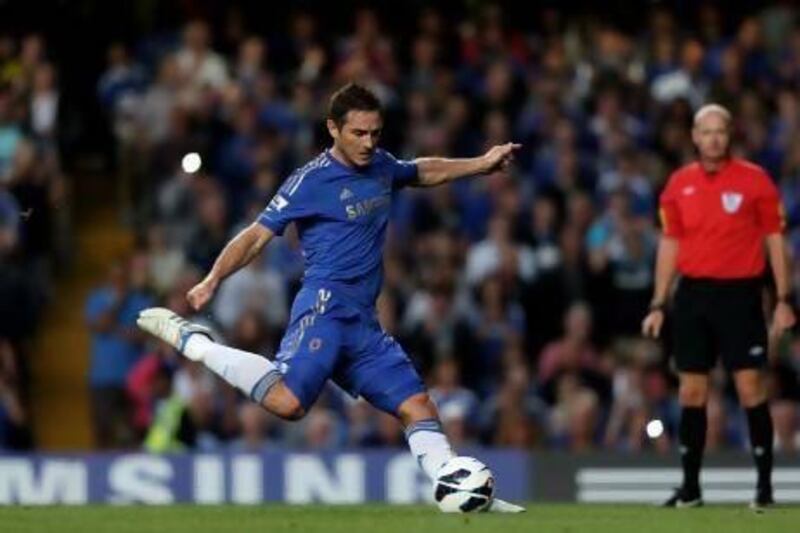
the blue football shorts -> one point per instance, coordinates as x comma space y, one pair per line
329, 340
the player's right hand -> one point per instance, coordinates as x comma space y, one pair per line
500, 157
202, 293
651, 325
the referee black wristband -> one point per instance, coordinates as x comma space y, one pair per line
655, 306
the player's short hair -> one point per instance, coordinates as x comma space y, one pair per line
352, 97
712, 108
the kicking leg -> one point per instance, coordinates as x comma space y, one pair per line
386, 378
256, 376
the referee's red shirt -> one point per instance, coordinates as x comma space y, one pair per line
720, 219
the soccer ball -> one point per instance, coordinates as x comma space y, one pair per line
464, 485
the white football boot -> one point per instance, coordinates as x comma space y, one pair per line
172, 329
502, 506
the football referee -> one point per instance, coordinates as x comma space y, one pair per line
717, 214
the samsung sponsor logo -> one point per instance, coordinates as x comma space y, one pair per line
211, 479
365, 207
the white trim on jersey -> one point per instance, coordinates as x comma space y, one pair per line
293, 183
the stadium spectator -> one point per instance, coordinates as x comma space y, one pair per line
111, 311
200, 67
573, 352
641, 394
497, 322
172, 428
31, 230
255, 292
165, 262
14, 428
321, 431
389, 433
446, 389
513, 416
485, 257
255, 429
141, 382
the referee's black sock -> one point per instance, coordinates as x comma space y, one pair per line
761, 436
692, 437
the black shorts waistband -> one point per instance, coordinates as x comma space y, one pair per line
717, 283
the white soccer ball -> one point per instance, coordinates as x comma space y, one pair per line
464, 485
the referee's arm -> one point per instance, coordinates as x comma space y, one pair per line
666, 260
779, 261
772, 219
666, 267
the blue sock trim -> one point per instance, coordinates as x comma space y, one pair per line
185, 338
263, 385
429, 424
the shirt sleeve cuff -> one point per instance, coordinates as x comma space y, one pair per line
271, 225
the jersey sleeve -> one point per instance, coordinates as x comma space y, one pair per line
404, 172
291, 202
769, 208
668, 212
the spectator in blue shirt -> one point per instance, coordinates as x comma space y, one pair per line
111, 312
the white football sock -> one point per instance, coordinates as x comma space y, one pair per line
197, 345
251, 373
429, 445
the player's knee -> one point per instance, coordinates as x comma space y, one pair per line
283, 403
295, 413
417, 407
291, 410
751, 388
751, 396
692, 395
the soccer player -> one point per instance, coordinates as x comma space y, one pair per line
717, 215
340, 203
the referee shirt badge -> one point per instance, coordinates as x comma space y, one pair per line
731, 201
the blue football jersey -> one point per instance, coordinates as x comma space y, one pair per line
341, 215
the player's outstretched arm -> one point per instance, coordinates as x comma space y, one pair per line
237, 253
434, 171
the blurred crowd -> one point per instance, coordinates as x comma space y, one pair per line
31, 225
519, 297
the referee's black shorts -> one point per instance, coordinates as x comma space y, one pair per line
719, 317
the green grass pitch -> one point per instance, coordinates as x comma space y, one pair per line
566, 518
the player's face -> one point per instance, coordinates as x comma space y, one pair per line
711, 136
358, 137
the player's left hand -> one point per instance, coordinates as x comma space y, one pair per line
500, 157
784, 318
